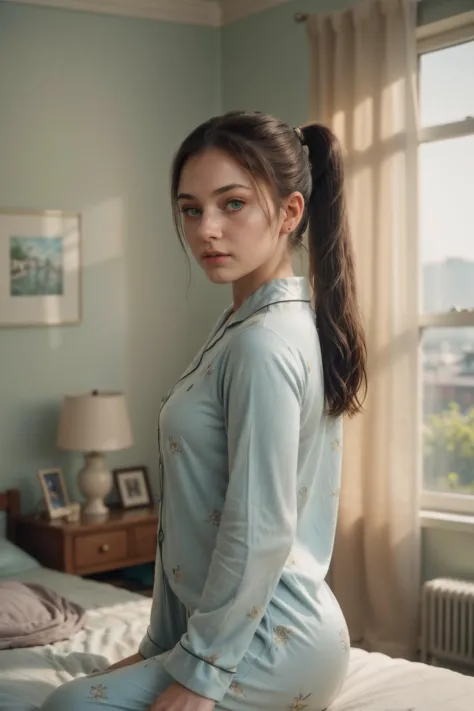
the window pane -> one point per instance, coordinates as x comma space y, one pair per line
448, 410
446, 204
447, 85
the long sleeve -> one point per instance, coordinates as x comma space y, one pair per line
168, 617
262, 393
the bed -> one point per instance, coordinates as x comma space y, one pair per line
116, 620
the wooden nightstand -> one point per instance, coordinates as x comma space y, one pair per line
125, 538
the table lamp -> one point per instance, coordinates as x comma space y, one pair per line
93, 423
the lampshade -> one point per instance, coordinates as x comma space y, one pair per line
94, 422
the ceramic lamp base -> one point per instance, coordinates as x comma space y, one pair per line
95, 481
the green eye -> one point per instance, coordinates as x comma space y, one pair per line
191, 211
235, 205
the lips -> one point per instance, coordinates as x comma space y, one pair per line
214, 259
214, 255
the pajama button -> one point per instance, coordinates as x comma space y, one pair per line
161, 536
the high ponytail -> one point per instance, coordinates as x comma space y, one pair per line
308, 161
332, 275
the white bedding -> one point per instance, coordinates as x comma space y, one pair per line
116, 620
115, 623
379, 683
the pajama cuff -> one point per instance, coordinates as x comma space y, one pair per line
148, 648
197, 675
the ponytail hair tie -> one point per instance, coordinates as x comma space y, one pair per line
299, 134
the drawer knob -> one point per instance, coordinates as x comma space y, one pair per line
104, 548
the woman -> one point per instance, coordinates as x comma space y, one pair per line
250, 438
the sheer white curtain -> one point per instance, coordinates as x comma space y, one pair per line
363, 85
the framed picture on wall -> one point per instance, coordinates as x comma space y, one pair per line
54, 492
133, 487
40, 268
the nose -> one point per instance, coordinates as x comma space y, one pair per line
209, 227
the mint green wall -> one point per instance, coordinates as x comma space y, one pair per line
447, 554
92, 108
434, 10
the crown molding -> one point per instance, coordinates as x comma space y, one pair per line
193, 12
233, 10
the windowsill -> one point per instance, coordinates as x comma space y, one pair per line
447, 521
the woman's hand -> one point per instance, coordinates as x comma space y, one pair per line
134, 659
178, 698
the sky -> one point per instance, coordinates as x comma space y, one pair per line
447, 167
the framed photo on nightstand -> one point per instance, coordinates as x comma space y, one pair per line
54, 492
133, 487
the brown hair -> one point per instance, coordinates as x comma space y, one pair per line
275, 155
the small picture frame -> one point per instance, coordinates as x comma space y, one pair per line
133, 487
54, 492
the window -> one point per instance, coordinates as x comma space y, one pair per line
446, 248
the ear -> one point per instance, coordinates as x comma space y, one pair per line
292, 209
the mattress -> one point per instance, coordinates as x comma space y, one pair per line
116, 620
378, 683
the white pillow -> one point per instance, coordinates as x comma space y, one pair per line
14, 561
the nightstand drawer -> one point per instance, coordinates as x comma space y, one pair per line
105, 547
145, 539
123, 539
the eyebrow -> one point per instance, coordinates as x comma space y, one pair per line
219, 191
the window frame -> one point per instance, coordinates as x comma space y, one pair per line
430, 38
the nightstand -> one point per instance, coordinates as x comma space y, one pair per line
125, 538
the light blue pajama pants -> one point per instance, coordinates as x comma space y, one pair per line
306, 675
136, 687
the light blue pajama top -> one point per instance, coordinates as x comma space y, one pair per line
250, 473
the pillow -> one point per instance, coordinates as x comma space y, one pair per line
13, 560
32, 615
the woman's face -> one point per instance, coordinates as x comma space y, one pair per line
226, 220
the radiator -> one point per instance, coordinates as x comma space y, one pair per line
447, 622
